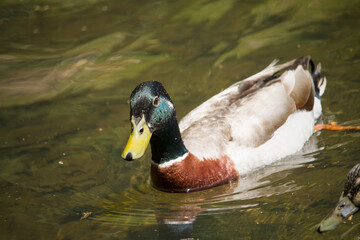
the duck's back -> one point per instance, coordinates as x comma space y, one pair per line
248, 113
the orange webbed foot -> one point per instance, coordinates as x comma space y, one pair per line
333, 126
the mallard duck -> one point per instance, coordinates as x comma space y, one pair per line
348, 204
252, 123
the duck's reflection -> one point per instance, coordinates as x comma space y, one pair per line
177, 224
175, 214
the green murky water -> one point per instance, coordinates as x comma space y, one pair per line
67, 69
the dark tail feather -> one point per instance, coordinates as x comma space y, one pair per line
303, 61
319, 80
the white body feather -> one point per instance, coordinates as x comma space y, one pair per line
253, 131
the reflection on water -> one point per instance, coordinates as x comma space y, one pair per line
66, 72
176, 214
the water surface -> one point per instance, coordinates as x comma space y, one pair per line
67, 70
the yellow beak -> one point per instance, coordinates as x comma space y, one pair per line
139, 139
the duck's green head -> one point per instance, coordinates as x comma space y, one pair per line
151, 111
348, 204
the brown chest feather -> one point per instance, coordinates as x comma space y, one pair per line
191, 174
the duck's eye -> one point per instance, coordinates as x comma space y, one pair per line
141, 130
156, 101
342, 205
132, 128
